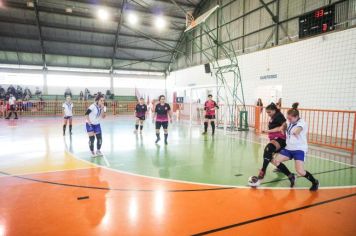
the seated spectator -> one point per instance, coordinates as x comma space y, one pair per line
109, 95
68, 93
19, 92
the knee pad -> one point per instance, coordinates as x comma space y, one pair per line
268, 152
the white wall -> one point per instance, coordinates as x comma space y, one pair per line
318, 72
57, 82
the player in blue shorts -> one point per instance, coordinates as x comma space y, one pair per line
67, 115
93, 116
297, 146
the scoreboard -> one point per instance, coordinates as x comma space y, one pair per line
317, 22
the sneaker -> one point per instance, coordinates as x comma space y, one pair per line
261, 175
7, 118
315, 186
98, 153
16, 118
276, 170
157, 140
165, 142
204, 133
292, 179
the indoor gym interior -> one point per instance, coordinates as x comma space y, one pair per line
281, 51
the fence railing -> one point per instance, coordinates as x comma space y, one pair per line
54, 108
329, 128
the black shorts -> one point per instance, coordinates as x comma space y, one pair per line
141, 117
282, 143
210, 117
160, 124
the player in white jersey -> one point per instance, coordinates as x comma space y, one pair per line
297, 146
12, 103
93, 115
67, 114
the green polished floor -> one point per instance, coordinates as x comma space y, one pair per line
192, 157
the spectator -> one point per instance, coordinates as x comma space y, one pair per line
81, 96
27, 93
2, 92
38, 92
87, 94
279, 103
19, 93
68, 93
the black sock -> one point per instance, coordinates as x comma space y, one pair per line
213, 126
268, 155
284, 169
15, 114
91, 143
99, 141
205, 127
136, 127
165, 137
157, 135
64, 129
141, 127
70, 128
309, 177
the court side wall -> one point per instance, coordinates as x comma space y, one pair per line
319, 72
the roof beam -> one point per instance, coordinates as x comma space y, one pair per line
90, 16
43, 53
11, 20
117, 35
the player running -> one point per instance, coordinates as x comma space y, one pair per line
277, 137
162, 115
297, 146
209, 108
140, 113
67, 115
93, 115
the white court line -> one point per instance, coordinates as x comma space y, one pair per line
204, 184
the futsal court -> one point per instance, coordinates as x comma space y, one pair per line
177, 117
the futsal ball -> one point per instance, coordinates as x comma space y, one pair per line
253, 181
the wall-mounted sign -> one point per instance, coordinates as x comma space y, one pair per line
263, 77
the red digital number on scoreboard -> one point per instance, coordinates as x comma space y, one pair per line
319, 13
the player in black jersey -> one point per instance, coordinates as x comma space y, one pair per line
140, 113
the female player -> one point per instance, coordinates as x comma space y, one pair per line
94, 114
67, 114
277, 137
297, 146
12, 103
209, 108
162, 115
140, 113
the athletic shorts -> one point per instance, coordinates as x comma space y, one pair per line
93, 128
210, 117
296, 155
141, 117
282, 142
67, 117
160, 124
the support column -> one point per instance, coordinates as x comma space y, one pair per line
112, 82
45, 86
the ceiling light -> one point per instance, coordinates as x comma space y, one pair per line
132, 18
103, 14
30, 4
160, 22
69, 10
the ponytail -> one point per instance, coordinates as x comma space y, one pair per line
294, 110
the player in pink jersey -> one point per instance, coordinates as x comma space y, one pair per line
209, 106
162, 115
